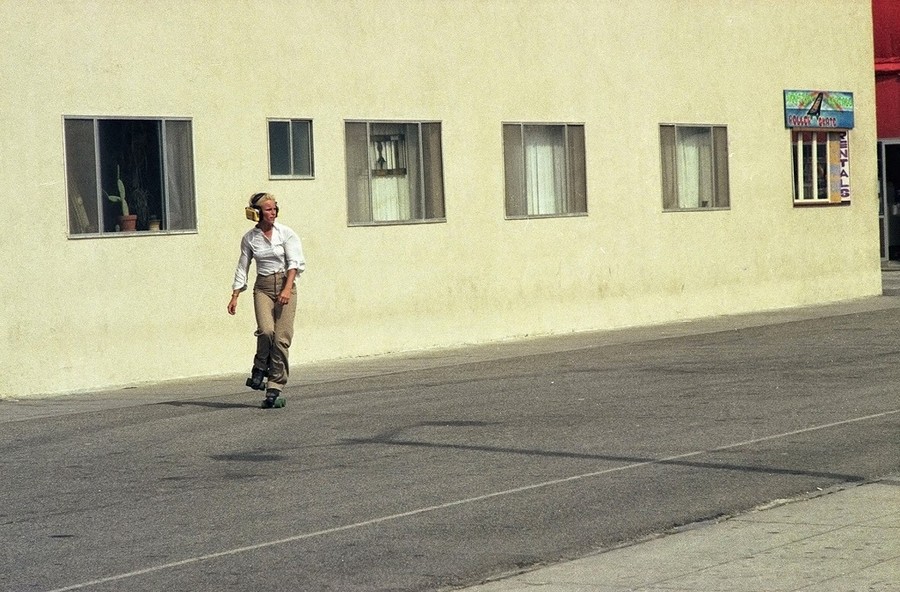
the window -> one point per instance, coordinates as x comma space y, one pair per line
545, 170
290, 148
821, 166
148, 162
694, 167
394, 172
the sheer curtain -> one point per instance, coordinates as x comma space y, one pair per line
390, 198
514, 170
693, 154
432, 171
545, 169
391, 192
81, 176
358, 205
179, 171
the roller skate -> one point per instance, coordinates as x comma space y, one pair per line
257, 379
273, 400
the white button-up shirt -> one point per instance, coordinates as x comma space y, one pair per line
281, 253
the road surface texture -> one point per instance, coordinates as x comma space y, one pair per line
442, 469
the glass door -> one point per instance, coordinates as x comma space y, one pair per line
882, 222
889, 202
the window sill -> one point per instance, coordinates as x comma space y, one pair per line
396, 222
291, 177
546, 216
136, 233
820, 203
708, 209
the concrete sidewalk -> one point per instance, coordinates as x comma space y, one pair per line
843, 540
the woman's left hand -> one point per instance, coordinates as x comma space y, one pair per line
284, 297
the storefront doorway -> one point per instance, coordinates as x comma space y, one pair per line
889, 193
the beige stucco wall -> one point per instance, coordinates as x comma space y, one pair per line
93, 313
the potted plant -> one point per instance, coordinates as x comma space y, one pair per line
127, 221
139, 199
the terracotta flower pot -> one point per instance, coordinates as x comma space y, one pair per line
128, 223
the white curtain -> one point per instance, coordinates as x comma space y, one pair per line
545, 169
391, 189
390, 198
693, 154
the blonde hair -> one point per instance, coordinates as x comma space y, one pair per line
258, 199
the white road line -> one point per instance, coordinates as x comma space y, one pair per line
469, 500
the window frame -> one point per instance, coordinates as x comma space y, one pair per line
167, 178
517, 201
291, 121
720, 177
842, 194
429, 178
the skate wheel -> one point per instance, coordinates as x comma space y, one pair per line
280, 402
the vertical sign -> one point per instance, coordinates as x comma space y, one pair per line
839, 167
844, 152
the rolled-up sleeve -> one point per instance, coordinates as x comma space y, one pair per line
293, 253
243, 266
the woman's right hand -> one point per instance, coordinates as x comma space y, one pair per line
232, 305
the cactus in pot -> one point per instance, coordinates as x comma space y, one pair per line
127, 220
121, 196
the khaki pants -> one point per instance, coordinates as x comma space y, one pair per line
274, 328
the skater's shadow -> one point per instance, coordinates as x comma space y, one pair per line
209, 404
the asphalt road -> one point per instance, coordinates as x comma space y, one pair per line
428, 476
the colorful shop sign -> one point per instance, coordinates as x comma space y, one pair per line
818, 109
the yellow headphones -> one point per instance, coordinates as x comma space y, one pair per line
253, 211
